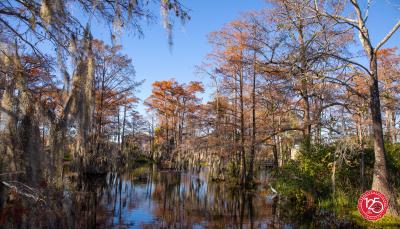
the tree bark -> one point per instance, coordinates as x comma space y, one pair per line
242, 148
275, 152
394, 132
388, 125
380, 180
235, 135
101, 107
304, 90
123, 131
118, 129
361, 143
253, 134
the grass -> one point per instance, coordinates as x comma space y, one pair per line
345, 207
385, 222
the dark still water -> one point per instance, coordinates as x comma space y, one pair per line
147, 197
151, 198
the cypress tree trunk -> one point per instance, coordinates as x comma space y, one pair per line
28, 133
242, 148
380, 180
253, 134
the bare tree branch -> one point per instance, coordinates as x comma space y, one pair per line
385, 39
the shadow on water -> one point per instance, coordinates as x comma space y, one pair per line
147, 197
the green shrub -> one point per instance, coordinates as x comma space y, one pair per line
393, 162
307, 182
309, 178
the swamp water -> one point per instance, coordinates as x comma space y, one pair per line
147, 197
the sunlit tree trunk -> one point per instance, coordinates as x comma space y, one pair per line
304, 87
333, 176
29, 134
8, 131
118, 129
380, 180
123, 131
100, 110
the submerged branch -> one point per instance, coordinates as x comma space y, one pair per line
35, 195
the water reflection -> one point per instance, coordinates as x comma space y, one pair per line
146, 197
150, 198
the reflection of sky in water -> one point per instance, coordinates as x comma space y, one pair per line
135, 209
147, 198
135, 206
140, 214
154, 199
197, 181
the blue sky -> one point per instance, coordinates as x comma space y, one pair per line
153, 59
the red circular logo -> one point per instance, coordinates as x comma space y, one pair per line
372, 205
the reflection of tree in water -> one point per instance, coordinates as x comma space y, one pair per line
150, 198
184, 200
75, 207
